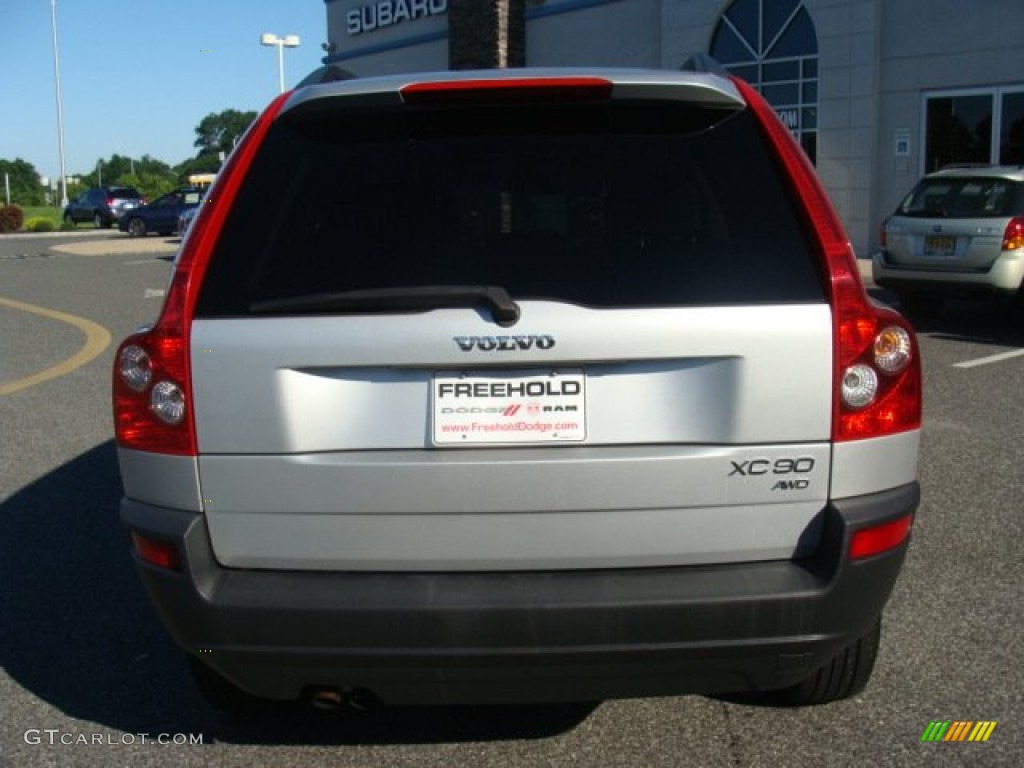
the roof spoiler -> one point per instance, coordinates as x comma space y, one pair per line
705, 64
326, 74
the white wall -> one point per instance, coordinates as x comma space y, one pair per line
621, 34
930, 46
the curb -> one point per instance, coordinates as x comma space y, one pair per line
54, 235
120, 246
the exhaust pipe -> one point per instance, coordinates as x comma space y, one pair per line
327, 699
360, 700
354, 699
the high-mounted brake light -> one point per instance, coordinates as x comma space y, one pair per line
508, 89
152, 388
877, 367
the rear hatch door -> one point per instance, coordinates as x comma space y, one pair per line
953, 223
490, 335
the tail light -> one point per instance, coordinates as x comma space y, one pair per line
152, 389
1013, 237
880, 538
877, 366
156, 552
883, 235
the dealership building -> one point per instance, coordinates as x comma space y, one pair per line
878, 92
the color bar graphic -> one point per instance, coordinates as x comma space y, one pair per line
958, 730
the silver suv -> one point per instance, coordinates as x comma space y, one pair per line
519, 386
960, 232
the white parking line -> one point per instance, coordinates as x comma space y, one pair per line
154, 293
990, 359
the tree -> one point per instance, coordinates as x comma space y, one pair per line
218, 132
150, 176
198, 164
26, 186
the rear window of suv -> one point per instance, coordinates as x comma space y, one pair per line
620, 204
964, 198
124, 193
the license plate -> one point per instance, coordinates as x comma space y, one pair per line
943, 246
508, 407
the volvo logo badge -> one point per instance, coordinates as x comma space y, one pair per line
504, 343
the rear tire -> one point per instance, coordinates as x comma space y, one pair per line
222, 693
844, 676
1018, 304
136, 228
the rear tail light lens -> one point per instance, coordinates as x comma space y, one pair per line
859, 386
1013, 237
883, 235
879, 374
876, 362
152, 392
892, 352
168, 402
880, 538
893, 349
135, 368
150, 395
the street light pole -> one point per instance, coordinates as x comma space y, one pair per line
60, 109
289, 41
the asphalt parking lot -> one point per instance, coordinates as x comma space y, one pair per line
89, 678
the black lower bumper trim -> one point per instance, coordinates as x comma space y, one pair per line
415, 638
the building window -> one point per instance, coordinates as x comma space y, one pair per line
984, 126
773, 46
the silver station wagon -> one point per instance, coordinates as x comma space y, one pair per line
960, 232
519, 386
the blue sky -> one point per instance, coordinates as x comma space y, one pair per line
137, 76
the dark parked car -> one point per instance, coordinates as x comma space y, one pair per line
103, 205
162, 214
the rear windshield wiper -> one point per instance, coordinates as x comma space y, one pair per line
416, 297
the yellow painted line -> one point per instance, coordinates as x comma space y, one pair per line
97, 339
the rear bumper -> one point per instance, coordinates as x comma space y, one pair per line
1005, 276
413, 638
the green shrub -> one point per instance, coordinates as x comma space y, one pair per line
11, 218
40, 224
67, 226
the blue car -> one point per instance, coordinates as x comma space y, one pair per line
162, 214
